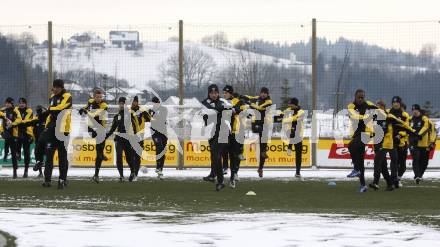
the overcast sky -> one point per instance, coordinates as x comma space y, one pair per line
216, 11
404, 36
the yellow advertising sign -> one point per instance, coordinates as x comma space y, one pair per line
197, 154
84, 153
149, 154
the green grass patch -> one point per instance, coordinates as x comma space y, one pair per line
415, 204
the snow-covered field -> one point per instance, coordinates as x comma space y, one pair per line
49, 227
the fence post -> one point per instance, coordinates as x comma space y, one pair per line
181, 95
49, 58
314, 95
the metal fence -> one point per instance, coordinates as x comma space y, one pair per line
320, 62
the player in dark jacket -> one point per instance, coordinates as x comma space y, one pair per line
358, 112
158, 120
25, 133
11, 119
38, 122
126, 125
260, 103
56, 133
218, 141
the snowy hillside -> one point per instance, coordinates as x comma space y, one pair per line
141, 67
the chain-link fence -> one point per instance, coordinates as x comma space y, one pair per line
383, 58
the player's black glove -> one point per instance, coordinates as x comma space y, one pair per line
82, 111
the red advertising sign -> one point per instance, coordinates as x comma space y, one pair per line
341, 152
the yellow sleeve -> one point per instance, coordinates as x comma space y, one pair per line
263, 106
432, 132
425, 127
97, 112
354, 114
18, 120
28, 118
251, 97
65, 104
135, 122
294, 118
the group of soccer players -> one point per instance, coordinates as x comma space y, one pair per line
226, 139
50, 129
393, 132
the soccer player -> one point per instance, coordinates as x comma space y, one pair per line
431, 146
123, 144
260, 103
400, 135
158, 118
215, 108
11, 118
357, 111
60, 104
38, 123
386, 144
293, 116
96, 109
420, 142
142, 117
234, 148
25, 132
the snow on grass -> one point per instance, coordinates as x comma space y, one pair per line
50, 227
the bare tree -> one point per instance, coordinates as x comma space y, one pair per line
217, 40
245, 72
198, 67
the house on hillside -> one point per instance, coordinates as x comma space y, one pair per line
127, 39
85, 40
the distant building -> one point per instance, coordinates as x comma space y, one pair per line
127, 39
85, 40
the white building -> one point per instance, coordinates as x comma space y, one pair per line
127, 39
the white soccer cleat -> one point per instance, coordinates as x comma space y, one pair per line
289, 152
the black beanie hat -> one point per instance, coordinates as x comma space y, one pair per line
264, 90
9, 100
228, 88
416, 107
122, 100
58, 83
396, 99
136, 98
294, 101
212, 87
